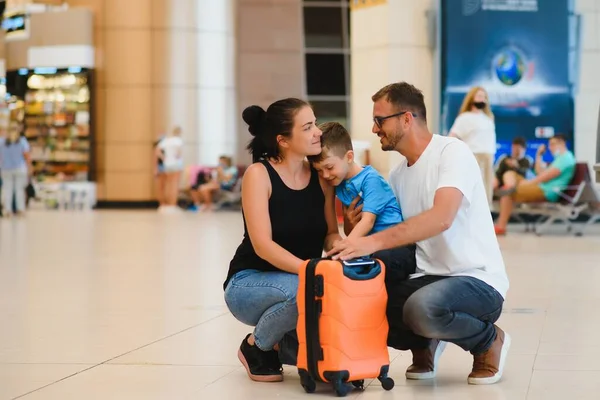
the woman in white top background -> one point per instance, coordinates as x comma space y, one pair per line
475, 126
170, 151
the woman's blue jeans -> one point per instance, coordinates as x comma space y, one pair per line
267, 301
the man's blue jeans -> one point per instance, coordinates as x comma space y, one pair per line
459, 310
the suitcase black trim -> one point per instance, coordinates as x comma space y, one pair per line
313, 308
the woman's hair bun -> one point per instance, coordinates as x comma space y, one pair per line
254, 116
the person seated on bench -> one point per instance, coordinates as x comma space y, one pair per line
544, 187
224, 177
516, 162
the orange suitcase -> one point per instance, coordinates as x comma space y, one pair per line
342, 325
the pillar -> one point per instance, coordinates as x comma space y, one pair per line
270, 49
160, 64
587, 98
390, 42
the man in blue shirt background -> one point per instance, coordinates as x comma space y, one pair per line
380, 209
544, 187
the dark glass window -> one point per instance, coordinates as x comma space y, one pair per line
329, 110
323, 27
348, 19
325, 74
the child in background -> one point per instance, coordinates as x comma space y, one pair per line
337, 166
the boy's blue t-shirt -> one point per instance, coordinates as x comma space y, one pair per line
377, 197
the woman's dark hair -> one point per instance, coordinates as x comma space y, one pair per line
265, 126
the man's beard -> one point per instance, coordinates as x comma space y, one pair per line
390, 141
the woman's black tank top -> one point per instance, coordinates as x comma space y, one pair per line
297, 224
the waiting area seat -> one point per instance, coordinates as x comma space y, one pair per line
231, 198
579, 198
224, 198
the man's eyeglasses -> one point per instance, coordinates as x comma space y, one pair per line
379, 120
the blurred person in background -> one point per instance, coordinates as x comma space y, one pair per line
15, 167
170, 152
516, 162
475, 126
224, 177
159, 173
545, 186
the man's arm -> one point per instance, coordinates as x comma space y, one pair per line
546, 175
423, 226
455, 185
539, 165
430, 223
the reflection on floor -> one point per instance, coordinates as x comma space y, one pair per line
129, 305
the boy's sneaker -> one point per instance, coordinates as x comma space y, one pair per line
488, 366
425, 361
261, 366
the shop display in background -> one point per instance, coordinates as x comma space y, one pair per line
4, 110
56, 121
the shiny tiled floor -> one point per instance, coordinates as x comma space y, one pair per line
129, 305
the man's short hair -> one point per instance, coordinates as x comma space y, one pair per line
559, 136
403, 96
335, 141
520, 141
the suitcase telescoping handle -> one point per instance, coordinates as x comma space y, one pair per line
361, 269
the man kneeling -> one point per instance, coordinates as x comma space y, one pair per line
456, 277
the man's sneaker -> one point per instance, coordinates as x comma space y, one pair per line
488, 366
425, 361
261, 366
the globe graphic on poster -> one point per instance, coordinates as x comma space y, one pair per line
509, 66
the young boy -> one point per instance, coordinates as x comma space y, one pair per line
337, 166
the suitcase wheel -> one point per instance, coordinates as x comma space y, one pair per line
359, 384
387, 383
341, 388
307, 382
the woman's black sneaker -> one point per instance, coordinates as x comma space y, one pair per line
262, 366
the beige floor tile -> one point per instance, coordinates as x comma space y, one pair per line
143, 292
560, 385
19, 379
89, 340
133, 382
237, 386
213, 343
447, 392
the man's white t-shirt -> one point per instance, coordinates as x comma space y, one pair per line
172, 148
477, 130
469, 247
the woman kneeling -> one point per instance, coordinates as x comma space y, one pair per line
289, 217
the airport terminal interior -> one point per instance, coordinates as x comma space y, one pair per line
121, 207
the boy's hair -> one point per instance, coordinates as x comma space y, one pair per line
334, 141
